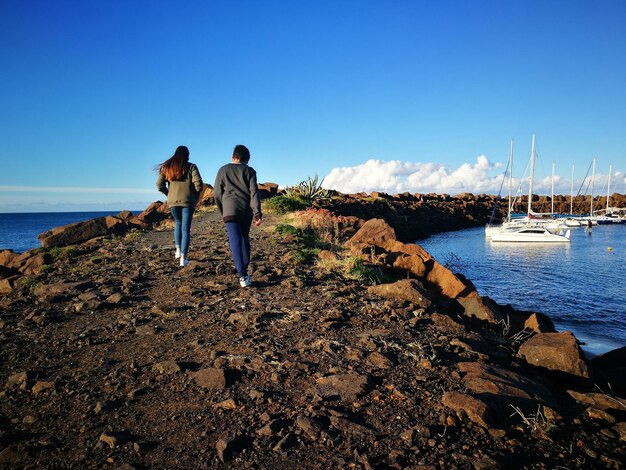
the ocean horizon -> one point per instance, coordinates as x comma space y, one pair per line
19, 230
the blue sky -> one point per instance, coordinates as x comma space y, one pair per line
94, 94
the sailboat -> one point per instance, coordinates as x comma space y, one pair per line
570, 221
527, 229
610, 213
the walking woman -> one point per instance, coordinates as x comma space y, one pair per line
237, 198
181, 182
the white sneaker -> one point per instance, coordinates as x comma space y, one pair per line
177, 255
183, 262
245, 281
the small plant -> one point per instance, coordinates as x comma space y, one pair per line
29, 283
536, 422
286, 229
58, 253
284, 204
310, 190
453, 262
305, 255
46, 268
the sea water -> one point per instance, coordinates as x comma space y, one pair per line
18, 232
580, 285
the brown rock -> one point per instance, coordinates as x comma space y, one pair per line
74, 234
348, 426
212, 378
602, 415
154, 213
227, 448
6, 257
610, 368
115, 438
167, 367
60, 288
373, 232
480, 307
8, 284
116, 225
206, 197
411, 263
406, 289
35, 263
345, 386
539, 323
380, 361
446, 282
311, 427
620, 429
486, 379
41, 386
555, 351
599, 401
473, 408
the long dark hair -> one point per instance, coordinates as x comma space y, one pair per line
175, 168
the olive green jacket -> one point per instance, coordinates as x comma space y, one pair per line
182, 193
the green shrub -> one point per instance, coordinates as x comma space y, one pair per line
58, 253
305, 255
285, 204
310, 190
29, 283
286, 229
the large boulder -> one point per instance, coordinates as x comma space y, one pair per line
206, 197
155, 213
405, 289
74, 234
482, 308
610, 368
557, 352
34, 264
6, 257
116, 225
375, 232
267, 190
446, 283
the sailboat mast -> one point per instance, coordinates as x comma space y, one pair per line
608, 190
552, 192
510, 180
571, 194
593, 175
532, 171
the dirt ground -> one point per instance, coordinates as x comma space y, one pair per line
118, 358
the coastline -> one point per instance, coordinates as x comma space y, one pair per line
312, 366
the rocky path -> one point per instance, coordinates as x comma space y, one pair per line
118, 358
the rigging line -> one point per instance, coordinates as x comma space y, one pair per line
495, 206
584, 179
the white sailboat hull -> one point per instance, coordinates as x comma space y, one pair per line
529, 234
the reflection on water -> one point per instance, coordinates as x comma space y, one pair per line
580, 285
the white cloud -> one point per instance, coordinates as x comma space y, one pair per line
396, 176
479, 177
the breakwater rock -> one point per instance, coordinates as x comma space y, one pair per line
113, 356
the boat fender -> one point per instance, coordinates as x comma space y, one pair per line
568, 233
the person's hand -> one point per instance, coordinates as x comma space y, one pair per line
258, 222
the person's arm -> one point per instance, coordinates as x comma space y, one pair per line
161, 184
196, 179
255, 199
217, 191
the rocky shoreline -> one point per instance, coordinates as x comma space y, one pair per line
112, 356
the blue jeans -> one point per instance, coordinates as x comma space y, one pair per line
239, 239
182, 236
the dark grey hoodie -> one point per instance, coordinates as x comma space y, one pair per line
236, 192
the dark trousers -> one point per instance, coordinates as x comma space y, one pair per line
239, 239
